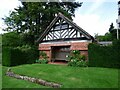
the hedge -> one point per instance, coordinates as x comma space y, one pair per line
6, 56
17, 56
104, 56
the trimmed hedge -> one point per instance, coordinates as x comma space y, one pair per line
104, 56
18, 56
6, 56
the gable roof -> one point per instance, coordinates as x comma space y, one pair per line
75, 26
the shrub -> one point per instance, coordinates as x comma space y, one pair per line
11, 39
75, 59
31, 53
43, 55
12, 56
43, 58
19, 55
42, 61
104, 56
6, 56
73, 62
82, 63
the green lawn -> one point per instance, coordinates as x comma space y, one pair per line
69, 77
0, 77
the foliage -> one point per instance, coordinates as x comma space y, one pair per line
109, 36
43, 58
111, 27
77, 77
75, 59
104, 56
31, 53
82, 63
33, 17
16, 50
43, 55
12, 56
6, 56
14, 39
106, 37
27, 39
11, 39
42, 61
116, 43
18, 55
113, 32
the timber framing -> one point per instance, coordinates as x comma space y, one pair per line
63, 29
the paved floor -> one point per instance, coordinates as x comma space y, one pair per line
61, 63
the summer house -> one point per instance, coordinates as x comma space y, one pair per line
62, 36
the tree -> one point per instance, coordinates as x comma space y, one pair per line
111, 27
113, 32
106, 37
11, 39
33, 17
109, 36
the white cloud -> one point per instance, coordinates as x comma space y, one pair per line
92, 23
95, 6
5, 7
96, 0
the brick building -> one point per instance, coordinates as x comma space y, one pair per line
62, 36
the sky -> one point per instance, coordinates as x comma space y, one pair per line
94, 16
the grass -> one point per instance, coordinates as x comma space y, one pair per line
0, 48
69, 77
0, 77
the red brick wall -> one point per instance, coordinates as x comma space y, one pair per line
43, 47
82, 46
79, 46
